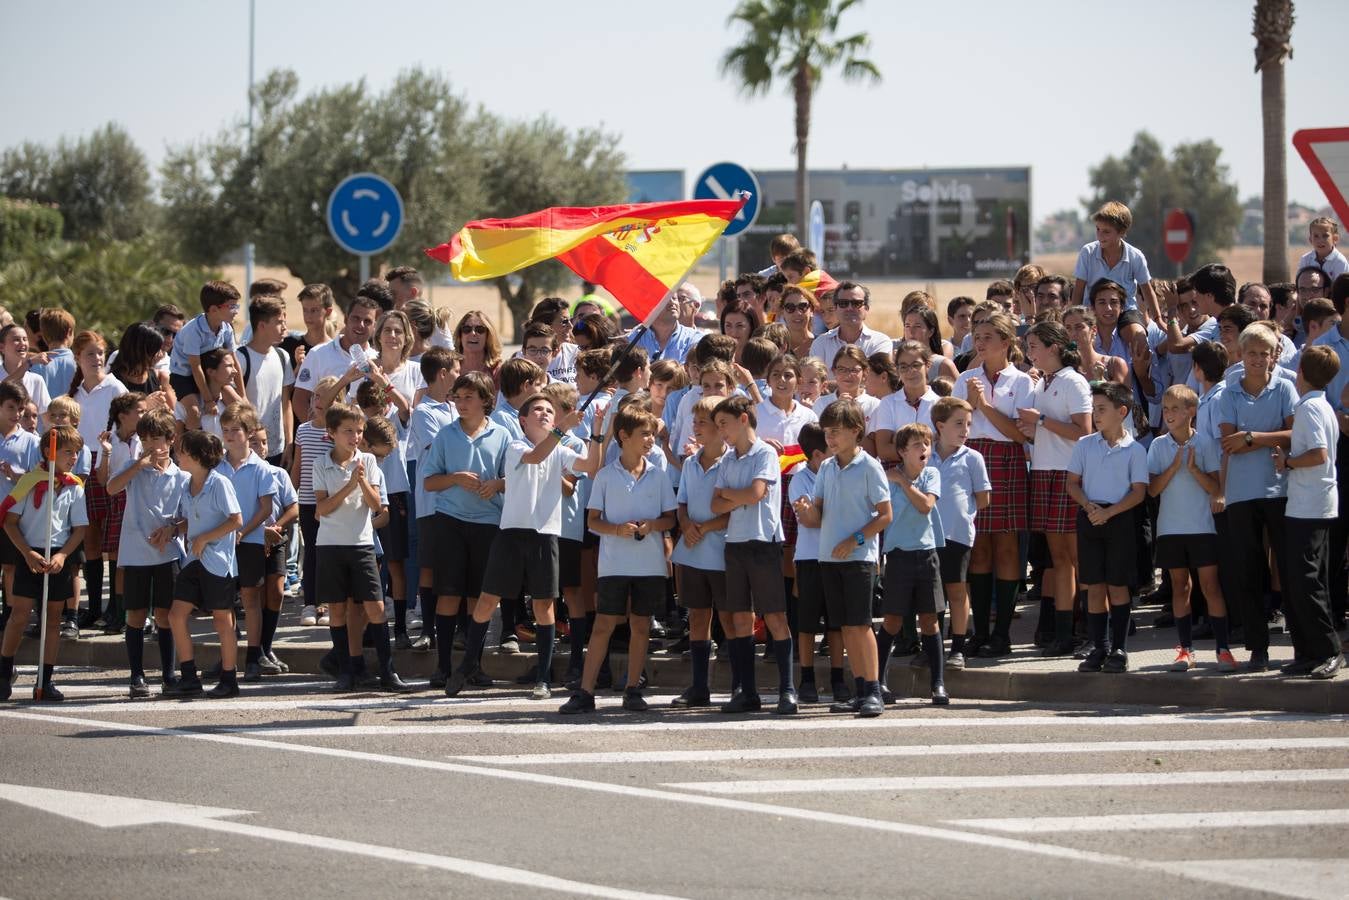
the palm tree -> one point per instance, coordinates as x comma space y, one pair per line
794, 40
1273, 34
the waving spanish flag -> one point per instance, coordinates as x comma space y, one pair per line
34, 484
638, 252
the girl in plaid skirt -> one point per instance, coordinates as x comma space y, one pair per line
996, 389
1058, 414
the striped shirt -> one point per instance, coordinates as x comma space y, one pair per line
313, 443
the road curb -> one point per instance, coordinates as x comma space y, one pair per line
1203, 690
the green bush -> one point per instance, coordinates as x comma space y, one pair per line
26, 228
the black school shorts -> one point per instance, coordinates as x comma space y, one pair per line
460, 555
812, 612
912, 583
393, 537
1107, 554
568, 563
700, 588
207, 592
348, 573
630, 595
252, 560
754, 578
522, 563
848, 587
148, 587
60, 587
1186, 551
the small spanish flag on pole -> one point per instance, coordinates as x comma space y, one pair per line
639, 252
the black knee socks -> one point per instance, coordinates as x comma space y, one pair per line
885, 643
981, 601
1096, 623
782, 649
427, 598
1119, 625
1063, 626
1185, 631
700, 654
400, 616
1004, 601
135, 651
473, 643
341, 651
936, 662
544, 638
270, 618
253, 655
7, 668
580, 633
1219, 624
745, 648
93, 584
445, 627
382, 649
166, 656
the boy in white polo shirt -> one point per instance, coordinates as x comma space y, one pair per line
523, 560
1312, 507
348, 496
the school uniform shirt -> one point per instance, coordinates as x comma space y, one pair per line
326, 359
533, 495
205, 512
963, 474
620, 497
349, 525
677, 347
760, 521
269, 374
1206, 419
454, 451
1334, 339
910, 529
1008, 394
1184, 505
780, 426
1237, 371
1251, 476
33, 503
253, 486
196, 338
210, 415
1311, 489
1108, 472
507, 417
870, 404
58, 372
94, 406
394, 465
696, 487
869, 341
670, 413
23, 451
807, 539
36, 387
849, 495
1059, 396
427, 420
1130, 272
574, 504
285, 493
153, 499
1335, 264
896, 410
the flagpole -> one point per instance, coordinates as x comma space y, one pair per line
43, 623
637, 334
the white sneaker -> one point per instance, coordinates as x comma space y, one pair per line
541, 692
323, 618
309, 616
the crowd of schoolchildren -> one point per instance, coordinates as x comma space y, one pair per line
790, 474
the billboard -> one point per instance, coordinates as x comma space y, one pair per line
904, 223
654, 185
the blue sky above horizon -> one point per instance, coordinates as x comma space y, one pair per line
1053, 84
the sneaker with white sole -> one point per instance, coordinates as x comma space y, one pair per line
309, 616
323, 618
1184, 660
541, 692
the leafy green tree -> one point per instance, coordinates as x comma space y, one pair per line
104, 285
793, 41
100, 183
534, 165
1194, 178
25, 228
418, 134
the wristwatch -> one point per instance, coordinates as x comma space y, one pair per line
1250, 439
860, 538
559, 433
1041, 420
597, 438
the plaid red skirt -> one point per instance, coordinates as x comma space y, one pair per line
788, 515
1052, 511
1006, 463
112, 525
97, 502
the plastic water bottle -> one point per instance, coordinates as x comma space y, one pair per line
360, 358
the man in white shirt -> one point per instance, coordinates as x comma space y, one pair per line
334, 357
852, 302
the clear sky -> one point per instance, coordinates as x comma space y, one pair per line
1056, 84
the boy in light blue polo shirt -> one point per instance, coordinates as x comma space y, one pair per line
851, 507
749, 487
1110, 256
1313, 504
631, 506
700, 552
912, 570
1184, 467
1255, 415
1107, 476
212, 329
966, 489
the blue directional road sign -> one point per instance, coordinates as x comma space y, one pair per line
365, 214
721, 182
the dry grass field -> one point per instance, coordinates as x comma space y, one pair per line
886, 296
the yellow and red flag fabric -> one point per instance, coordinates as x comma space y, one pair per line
637, 251
791, 456
817, 281
34, 484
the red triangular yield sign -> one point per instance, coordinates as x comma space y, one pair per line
1326, 153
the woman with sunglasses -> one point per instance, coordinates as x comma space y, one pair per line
477, 340
591, 332
797, 310
920, 324
740, 320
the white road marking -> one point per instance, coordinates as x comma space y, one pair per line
1000, 782
107, 811
753, 754
1315, 879
1264, 818
632, 792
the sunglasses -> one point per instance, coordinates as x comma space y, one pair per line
473, 329
849, 304
795, 307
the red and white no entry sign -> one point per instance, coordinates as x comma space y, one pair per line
1177, 235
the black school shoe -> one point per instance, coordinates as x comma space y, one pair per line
869, 707
139, 690
578, 702
227, 687
996, 648
50, 693
939, 695
633, 701
1259, 661
1329, 668
389, 681
1094, 662
842, 694
742, 703
6, 688
808, 693
1116, 662
851, 705
184, 688
691, 699
788, 703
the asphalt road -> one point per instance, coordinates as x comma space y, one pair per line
291, 792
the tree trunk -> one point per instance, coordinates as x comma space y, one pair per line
520, 302
801, 88
1276, 174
